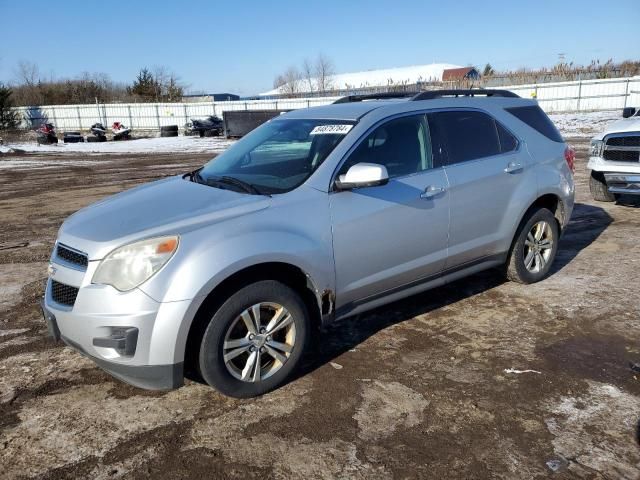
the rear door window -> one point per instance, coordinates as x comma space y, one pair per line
533, 116
466, 135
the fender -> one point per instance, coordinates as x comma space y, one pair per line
206, 257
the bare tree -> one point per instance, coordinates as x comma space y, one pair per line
28, 76
290, 81
161, 76
166, 85
174, 88
28, 73
325, 71
279, 81
315, 76
308, 74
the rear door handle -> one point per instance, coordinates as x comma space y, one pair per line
432, 191
513, 167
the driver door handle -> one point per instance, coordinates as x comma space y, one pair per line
513, 167
432, 191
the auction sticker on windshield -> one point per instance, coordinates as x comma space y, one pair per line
331, 129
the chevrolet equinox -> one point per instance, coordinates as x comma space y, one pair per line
319, 214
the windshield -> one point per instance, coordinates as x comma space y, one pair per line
277, 156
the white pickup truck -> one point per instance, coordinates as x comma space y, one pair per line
614, 159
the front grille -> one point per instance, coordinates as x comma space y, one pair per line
631, 141
622, 148
63, 294
72, 256
618, 156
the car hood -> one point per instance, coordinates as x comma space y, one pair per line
170, 206
631, 124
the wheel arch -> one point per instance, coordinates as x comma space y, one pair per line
319, 304
553, 203
550, 201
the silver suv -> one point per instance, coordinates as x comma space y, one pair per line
317, 215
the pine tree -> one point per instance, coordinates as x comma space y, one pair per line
8, 116
488, 70
145, 85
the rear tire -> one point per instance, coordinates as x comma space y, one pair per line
598, 187
534, 248
229, 332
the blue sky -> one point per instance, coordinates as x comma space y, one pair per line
239, 46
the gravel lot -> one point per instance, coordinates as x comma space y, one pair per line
424, 387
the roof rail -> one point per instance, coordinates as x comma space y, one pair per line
376, 96
433, 94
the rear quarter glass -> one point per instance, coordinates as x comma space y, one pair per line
533, 116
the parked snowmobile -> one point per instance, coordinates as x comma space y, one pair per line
99, 133
46, 134
211, 126
120, 132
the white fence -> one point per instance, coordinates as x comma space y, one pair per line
150, 116
585, 95
573, 96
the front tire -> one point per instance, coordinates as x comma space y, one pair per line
598, 187
255, 340
534, 248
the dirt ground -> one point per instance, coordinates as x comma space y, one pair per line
423, 388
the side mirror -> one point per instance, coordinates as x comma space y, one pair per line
628, 112
363, 175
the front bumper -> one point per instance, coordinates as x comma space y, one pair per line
621, 177
623, 183
150, 377
128, 334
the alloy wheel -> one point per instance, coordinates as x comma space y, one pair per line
538, 247
259, 342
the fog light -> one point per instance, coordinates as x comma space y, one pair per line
122, 339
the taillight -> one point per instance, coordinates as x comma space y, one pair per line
570, 157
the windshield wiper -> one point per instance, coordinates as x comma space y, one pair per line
194, 176
247, 187
212, 181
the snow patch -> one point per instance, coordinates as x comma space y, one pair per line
142, 145
594, 430
584, 124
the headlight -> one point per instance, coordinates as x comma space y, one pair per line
596, 148
129, 266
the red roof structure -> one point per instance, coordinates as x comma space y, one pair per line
454, 74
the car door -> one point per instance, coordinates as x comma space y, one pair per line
388, 236
486, 170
